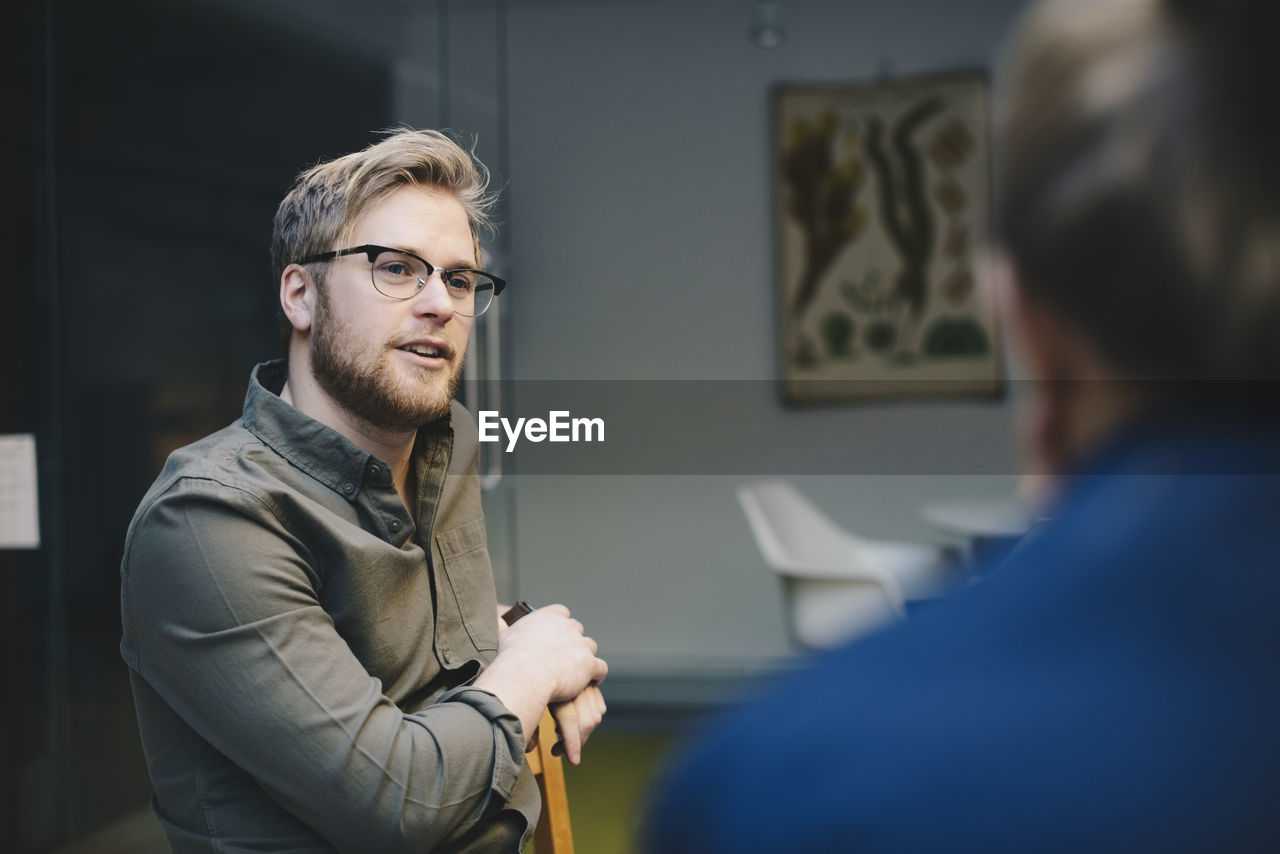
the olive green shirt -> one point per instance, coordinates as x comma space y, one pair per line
301, 645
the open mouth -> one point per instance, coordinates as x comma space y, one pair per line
427, 351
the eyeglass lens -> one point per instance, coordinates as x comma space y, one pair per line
400, 276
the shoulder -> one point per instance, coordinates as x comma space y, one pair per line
229, 458
227, 479
209, 551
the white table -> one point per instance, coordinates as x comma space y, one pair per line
979, 518
988, 526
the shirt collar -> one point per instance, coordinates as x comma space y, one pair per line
1184, 440
321, 451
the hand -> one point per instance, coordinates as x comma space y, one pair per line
545, 658
551, 647
576, 719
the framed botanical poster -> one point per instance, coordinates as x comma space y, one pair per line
883, 203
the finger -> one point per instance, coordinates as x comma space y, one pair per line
556, 609
592, 645
570, 736
590, 705
588, 715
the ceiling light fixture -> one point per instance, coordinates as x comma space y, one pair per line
765, 30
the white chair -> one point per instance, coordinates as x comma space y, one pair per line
838, 585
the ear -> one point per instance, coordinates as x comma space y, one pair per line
298, 297
1055, 360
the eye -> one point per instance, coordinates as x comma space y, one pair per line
461, 281
396, 268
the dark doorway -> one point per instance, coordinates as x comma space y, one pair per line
162, 136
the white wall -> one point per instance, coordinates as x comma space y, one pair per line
638, 237
641, 248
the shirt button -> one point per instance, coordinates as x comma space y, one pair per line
348, 488
395, 524
374, 470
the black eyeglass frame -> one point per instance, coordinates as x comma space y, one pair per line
373, 250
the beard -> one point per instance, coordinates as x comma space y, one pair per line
367, 385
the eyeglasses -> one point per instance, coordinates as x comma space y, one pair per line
400, 275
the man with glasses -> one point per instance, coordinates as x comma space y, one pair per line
314, 643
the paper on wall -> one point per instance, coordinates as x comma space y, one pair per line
19, 515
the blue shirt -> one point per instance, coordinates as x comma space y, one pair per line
1112, 687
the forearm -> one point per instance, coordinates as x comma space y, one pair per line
510, 681
525, 695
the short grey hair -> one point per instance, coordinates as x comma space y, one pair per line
1139, 191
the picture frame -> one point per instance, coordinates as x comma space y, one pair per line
882, 207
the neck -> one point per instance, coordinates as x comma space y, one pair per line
1103, 407
1067, 424
393, 447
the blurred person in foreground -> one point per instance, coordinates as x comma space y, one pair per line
310, 623
1113, 686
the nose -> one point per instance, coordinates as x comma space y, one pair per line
433, 299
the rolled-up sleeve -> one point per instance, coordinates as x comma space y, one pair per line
224, 623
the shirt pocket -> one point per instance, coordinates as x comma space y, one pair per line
467, 606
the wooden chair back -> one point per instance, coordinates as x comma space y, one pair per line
553, 834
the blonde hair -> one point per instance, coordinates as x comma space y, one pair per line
325, 201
